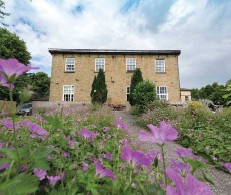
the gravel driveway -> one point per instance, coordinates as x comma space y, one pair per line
222, 180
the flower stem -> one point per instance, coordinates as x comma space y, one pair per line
164, 165
12, 114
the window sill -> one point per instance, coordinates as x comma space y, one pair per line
98, 71
69, 71
160, 72
128, 71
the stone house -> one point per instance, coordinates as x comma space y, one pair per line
73, 71
185, 95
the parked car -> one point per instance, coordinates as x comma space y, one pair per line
25, 109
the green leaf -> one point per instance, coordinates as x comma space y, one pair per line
21, 184
156, 162
196, 164
10, 153
39, 157
4, 161
207, 178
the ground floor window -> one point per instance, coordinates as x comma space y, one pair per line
186, 98
128, 92
162, 92
68, 93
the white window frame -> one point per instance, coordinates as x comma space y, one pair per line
70, 92
99, 64
160, 65
130, 64
160, 93
128, 90
70, 65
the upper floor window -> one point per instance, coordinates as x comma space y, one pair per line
162, 92
68, 93
70, 65
160, 65
130, 64
99, 64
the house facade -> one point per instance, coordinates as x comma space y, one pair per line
73, 71
185, 95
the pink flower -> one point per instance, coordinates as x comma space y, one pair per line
4, 83
105, 129
53, 179
4, 166
227, 166
102, 172
184, 152
135, 158
191, 187
10, 69
65, 154
85, 166
40, 173
161, 135
180, 167
120, 125
87, 134
23, 168
107, 156
70, 142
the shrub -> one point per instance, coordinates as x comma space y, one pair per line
143, 94
136, 78
99, 89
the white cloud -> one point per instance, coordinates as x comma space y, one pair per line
200, 29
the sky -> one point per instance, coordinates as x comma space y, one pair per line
201, 29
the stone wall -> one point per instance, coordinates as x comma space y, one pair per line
5, 106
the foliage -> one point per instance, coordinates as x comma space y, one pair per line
227, 95
64, 153
136, 78
93, 90
158, 111
40, 85
99, 88
2, 13
143, 94
214, 92
206, 133
11, 46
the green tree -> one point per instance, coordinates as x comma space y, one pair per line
40, 83
136, 78
227, 95
195, 94
11, 46
93, 90
2, 13
99, 87
143, 94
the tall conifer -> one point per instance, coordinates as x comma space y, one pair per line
99, 88
136, 78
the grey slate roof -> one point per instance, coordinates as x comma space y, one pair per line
111, 51
185, 89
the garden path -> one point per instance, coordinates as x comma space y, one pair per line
221, 180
